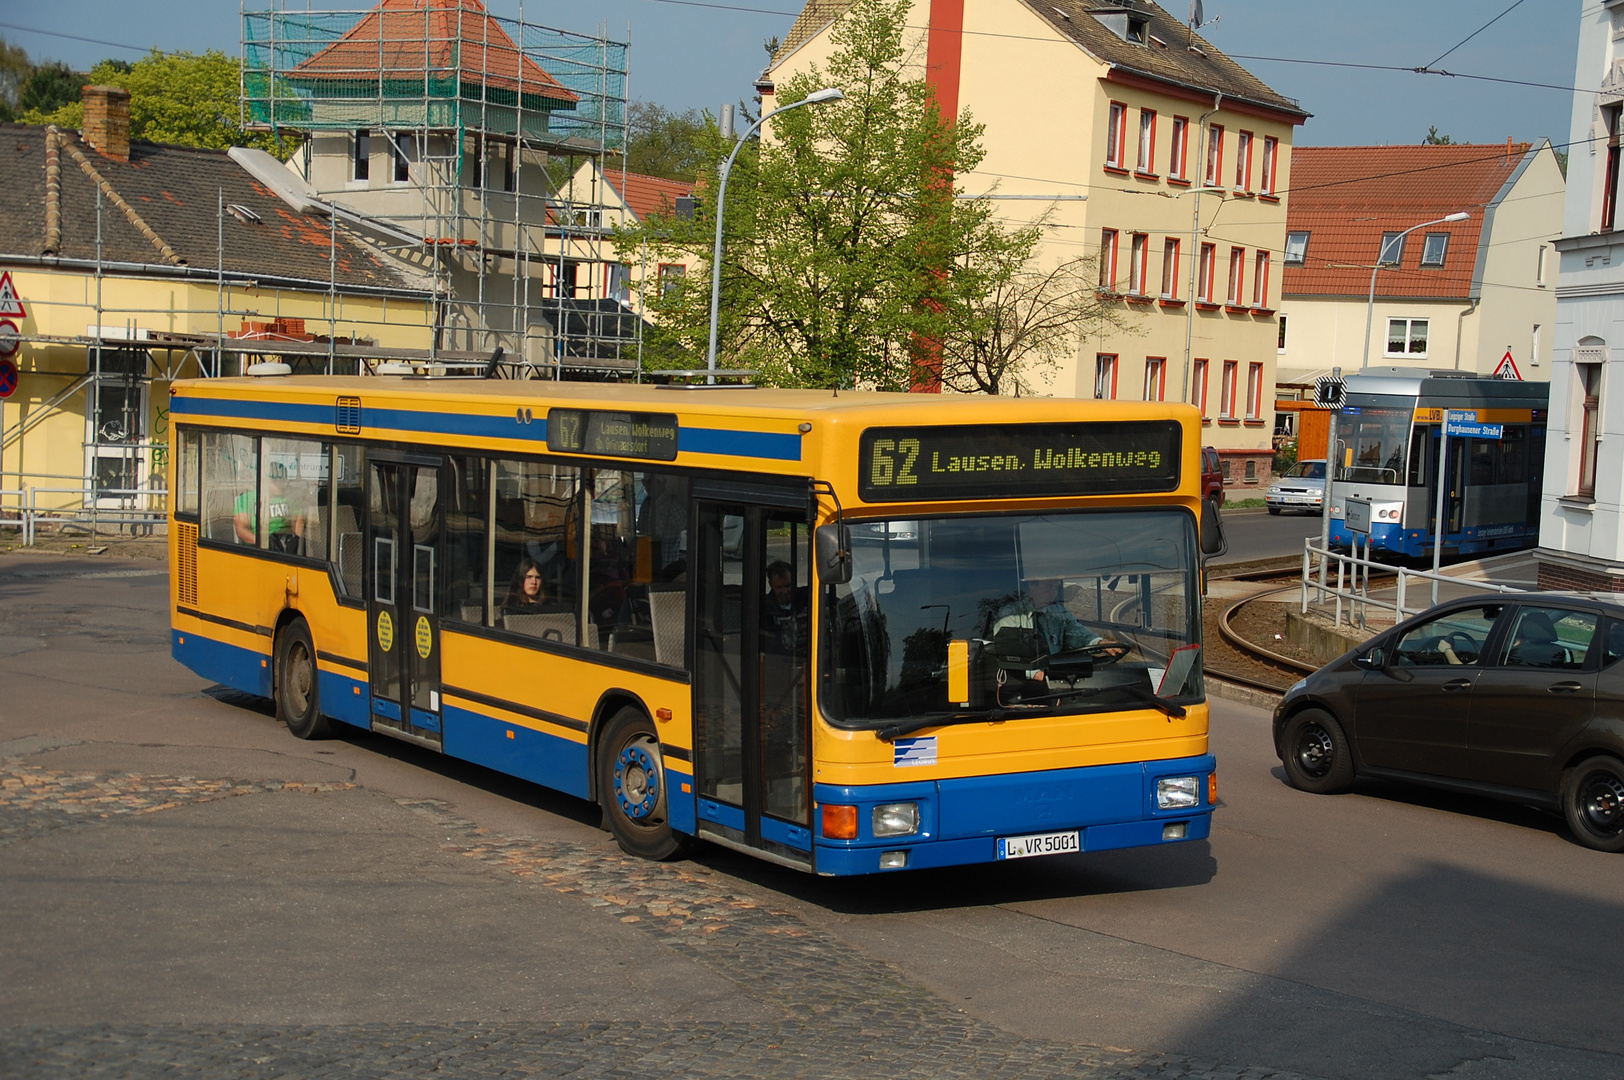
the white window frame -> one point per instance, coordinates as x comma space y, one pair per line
1442, 239
1116, 135
1297, 251
1147, 141
1409, 338
1155, 378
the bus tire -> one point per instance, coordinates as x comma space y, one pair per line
632, 788
1316, 755
297, 687
1593, 803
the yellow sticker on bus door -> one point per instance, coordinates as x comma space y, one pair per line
425, 637
386, 631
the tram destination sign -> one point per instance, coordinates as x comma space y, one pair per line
998, 461
651, 436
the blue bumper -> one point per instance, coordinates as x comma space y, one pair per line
961, 821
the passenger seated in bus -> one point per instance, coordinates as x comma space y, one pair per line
1041, 609
528, 593
785, 613
284, 523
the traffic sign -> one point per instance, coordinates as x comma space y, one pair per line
8, 378
1464, 423
1507, 368
11, 338
1330, 392
11, 305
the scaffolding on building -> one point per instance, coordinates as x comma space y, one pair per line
483, 121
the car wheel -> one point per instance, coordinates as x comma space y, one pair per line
1593, 802
298, 700
1316, 755
1274, 511
632, 788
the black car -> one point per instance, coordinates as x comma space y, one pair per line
1517, 696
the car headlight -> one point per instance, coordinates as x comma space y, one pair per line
1177, 792
896, 819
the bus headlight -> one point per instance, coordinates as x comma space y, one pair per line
896, 819
1177, 792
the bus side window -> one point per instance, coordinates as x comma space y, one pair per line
538, 528
188, 473
289, 523
230, 487
467, 503
638, 596
345, 502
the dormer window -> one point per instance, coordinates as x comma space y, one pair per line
1129, 25
1138, 30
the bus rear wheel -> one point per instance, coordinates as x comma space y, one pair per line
298, 700
632, 788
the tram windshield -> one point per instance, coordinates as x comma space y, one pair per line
1371, 444
1051, 612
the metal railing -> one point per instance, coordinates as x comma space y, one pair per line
142, 510
1353, 585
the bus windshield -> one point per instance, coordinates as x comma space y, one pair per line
1371, 444
1060, 612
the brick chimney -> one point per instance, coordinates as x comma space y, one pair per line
107, 121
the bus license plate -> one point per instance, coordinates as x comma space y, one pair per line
1053, 843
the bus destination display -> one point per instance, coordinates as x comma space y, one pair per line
651, 436
989, 462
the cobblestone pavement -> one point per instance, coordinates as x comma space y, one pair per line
844, 1014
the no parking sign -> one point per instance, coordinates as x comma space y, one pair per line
8, 378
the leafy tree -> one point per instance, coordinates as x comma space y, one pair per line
1435, 139
182, 97
849, 259
50, 86
660, 142
14, 72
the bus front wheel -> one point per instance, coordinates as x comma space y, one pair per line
632, 787
298, 703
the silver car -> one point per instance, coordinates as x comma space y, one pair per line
1301, 487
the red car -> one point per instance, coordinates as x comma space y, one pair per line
1212, 476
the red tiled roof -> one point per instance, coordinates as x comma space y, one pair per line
1345, 197
647, 195
403, 39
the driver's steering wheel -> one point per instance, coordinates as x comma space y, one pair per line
1464, 644
1104, 652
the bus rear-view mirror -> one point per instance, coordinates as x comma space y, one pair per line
833, 544
1213, 541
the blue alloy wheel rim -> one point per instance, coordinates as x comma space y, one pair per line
637, 782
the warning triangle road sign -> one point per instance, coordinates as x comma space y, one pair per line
1507, 368
10, 305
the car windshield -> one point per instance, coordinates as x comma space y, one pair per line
1372, 442
1071, 612
1310, 470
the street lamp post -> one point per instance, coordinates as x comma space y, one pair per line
1370, 308
817, 97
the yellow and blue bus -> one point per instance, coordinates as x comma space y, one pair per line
843, 632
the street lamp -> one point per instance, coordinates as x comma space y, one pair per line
817, 97
1370, 308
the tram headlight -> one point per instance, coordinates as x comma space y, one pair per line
1177, 792
896, 819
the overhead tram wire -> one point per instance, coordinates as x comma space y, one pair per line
1515, 4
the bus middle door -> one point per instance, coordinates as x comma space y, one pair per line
403, 541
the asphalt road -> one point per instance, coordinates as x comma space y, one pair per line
1257, 534
187, 890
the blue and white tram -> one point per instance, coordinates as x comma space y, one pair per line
1387, 452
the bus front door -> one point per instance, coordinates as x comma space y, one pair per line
403, 540
752, 693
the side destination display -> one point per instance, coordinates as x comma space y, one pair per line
652, 436
989, 462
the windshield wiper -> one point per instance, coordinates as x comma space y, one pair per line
893, 732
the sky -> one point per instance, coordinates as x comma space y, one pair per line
687, 54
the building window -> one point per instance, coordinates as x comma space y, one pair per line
1116, 136
1198, 386
1296, 248
1215, 155
1170, 269
1208, 270
404, 147
1434, 249
1280, 343
1137, 258
1137, 29
567, 279
1587, 381
1406, 337
1539, 266
1243, 161
1260, 281
670, 277
1147, 140
1271, 162
361, 155
1237, 276
1226, 391
1254, 391
1392, 249
1178, 156
1108, 259
1156, 378
1105, 374
1609, 193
